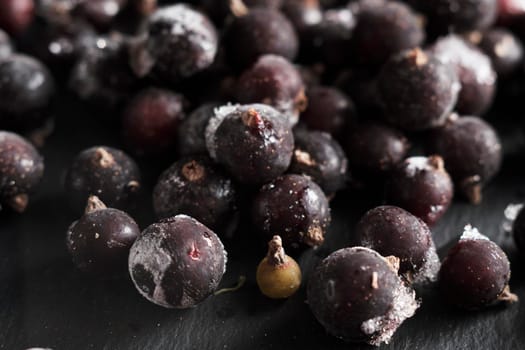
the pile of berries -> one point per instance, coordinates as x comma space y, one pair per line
267, 111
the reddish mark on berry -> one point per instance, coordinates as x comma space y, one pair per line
194, 253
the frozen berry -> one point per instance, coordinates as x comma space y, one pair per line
196, 187
100, 240
302, 13
102, 75
471, 150
16, 15
384, 28
106, 172
475, 273
294, 207
253, 142
357, 296
459, 15
320, 157
6, 47
474, 71
278, 275
258, 32
328, 110
179, 42
374, 149
191, 132
21, 169
417, 90
392, 231
177, 262
151, 119
27, 89
422, 186
503, 48
274, 81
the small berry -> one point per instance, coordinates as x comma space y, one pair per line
422, 186
295, 207
253, 142
101, 13
357, 296
21, 170
191, 133
177, 262
302, 13
278, 275
475, 273
106, 172
417, 90
100, 240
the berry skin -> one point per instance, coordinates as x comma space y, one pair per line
471, 150
196, 187
295, 207
6, 47
177, 262
106, 172
369, 306
475, 273
191, 132
151, 119
374, 149
274, 81
503, 48
392, 231
278, 275
27, 89
474, 71
383, 29
100, 240
253, 142
259, 32
328, 110
302, 13
417, 90
421, 186
16, 15
180, 42
320, 157
21, 169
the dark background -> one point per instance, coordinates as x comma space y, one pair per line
45, 301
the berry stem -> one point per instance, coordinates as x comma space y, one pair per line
240, 283
238, 8
276, 255
93, 204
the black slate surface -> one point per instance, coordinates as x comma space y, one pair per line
45, 302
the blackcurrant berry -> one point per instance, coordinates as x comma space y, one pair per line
191, 132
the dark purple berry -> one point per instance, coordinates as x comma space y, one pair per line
191, 132
196, 187
102, 75
151, 120
384, 28
374, 149
392, 231
253, 142
179, 42
6, 47
105, 172
302, 13
422, 186
294, 207
320, 157
458, 15
518, 230
177, 262
16, 15
475, 273
274, 81
26, 90
471, 150
328, 110
100, 240
503, 48
258, 32
474, 71
21, 169
357, 296
100, 13
417, 90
